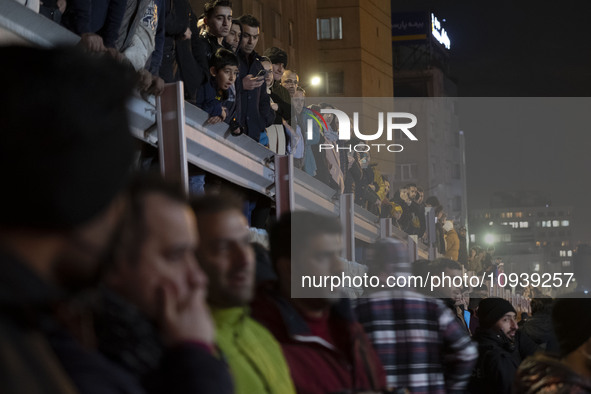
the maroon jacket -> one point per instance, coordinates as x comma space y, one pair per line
317, 366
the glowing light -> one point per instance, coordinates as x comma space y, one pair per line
490, 239
315, 81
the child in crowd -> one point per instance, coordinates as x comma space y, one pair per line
218, 96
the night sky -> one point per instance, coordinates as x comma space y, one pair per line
523, 49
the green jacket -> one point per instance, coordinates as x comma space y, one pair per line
254, 356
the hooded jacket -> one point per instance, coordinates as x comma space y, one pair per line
318, 366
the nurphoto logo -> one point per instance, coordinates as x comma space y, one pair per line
388, 121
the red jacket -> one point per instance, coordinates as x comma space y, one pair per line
317, 366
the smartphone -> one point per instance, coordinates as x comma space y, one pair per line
261, 73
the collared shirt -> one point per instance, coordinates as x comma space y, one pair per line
421, 345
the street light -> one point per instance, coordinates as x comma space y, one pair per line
490, 239
315, 81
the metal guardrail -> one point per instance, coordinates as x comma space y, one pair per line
238, 159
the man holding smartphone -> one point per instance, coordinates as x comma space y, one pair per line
256, 113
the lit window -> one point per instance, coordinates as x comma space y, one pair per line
536, 267
563, 253
329, 28
565, 223
523, 224
509, 215
537, 243
472, 238
569, 253
518, 214
566, 263
555, 223
503, 215
491, 223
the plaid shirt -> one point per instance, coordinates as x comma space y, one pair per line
420, 343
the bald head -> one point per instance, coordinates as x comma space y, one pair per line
290, 81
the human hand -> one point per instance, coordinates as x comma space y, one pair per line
92, 42
187, 34
214, 120
61, 5
186, 320
250, 82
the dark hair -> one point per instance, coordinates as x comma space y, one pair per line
210, 204
409, 185
297, 228
132, 231
542, 304
237, 22
432, 201
443, 264
64, 145
277, 56
210, 6
265, 59
333, 124
222, 58
249, 20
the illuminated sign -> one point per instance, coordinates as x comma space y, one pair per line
439, 32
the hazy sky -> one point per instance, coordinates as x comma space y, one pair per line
523, 49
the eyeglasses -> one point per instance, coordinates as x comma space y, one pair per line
290, 82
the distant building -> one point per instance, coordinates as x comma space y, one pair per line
526, 231
421, 50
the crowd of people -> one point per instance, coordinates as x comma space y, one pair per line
114, 281
214, 55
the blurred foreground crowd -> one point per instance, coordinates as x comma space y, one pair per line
114, 282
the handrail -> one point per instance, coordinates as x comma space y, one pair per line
239, 160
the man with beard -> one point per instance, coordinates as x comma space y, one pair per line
325, 347
501, 347
61, 201
256, 112
228, 259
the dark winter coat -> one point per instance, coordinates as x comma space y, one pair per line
498, 360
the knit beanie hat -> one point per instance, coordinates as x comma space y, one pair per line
490, 310
66, 148
277, 55
571, 318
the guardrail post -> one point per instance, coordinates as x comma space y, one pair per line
172, 144
348, 222
412, 248
431, 232
385, 228
283, 184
